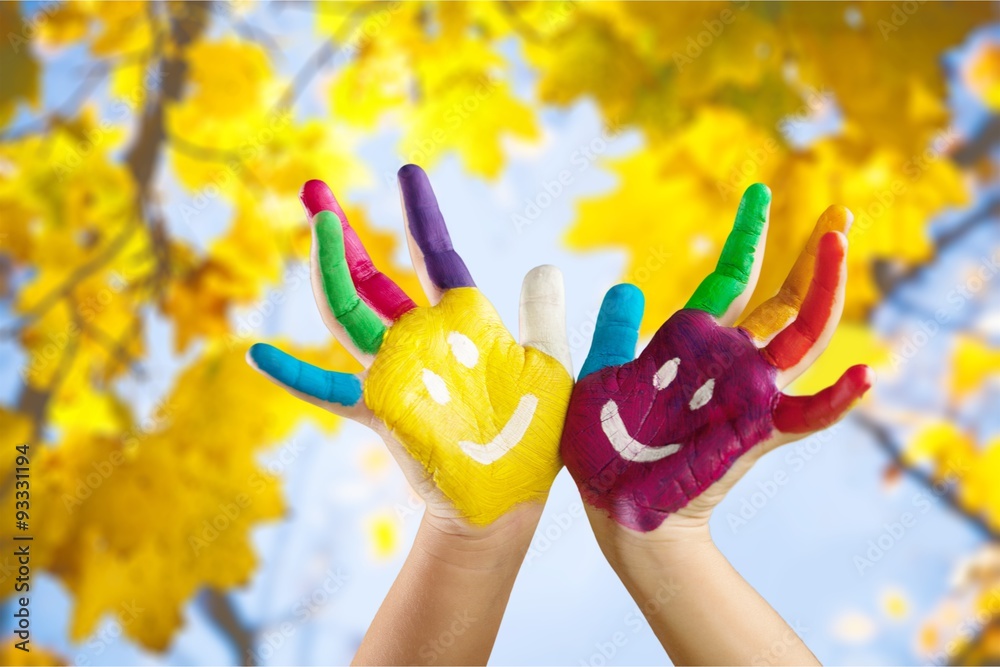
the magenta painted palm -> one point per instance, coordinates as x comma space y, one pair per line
647, 437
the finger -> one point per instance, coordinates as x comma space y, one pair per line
375, 288
437, 264
543, 314
777, 312
617, 329
327, 389
804, 340
317, 281
796, 415
325, 312
727, 290
362, 325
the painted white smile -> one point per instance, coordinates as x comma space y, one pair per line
467, 354
617, 433
508, 438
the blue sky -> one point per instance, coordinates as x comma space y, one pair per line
799, 549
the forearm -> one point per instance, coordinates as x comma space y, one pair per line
700, 608
446, 605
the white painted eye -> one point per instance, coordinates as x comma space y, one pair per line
666, 374
464, 349
703, 395
436, 386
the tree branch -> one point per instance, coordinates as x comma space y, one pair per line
187, 23
887, 443
249, 31
223, 613
889, 284
317, 61
75, 277
520, 26
68, 108
34, 402
116, 348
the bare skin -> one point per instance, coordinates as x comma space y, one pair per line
446, 605
650, 501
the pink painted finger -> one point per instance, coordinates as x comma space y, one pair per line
810, 333
806, 414
374, 287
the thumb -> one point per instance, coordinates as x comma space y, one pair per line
543, 314
339, 393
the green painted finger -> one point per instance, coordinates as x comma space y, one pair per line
361, 323
732, 275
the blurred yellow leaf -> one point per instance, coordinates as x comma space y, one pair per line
383, 532
228, 79
37, 657
449, 89
939, 441
134, 523
974, 362
678, 200
169, 197
20, 71
982, 74
895, 604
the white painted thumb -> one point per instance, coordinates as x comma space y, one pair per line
543, 314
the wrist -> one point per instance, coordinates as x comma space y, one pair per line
500, 544
680, 543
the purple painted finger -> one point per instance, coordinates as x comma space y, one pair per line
426, 224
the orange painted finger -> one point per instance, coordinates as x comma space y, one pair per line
805, 338
774, 314
797, 415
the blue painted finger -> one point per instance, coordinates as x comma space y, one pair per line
331, 386
617, 330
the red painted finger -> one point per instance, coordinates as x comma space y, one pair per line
374, 287
806, 414
816, 319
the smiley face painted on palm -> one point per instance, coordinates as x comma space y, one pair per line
479, 413
658, 431
646, 437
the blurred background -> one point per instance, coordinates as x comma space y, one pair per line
184, 511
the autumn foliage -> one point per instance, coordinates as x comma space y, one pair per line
101, 273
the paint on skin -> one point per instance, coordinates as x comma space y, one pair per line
330, 386
774, 314
793, 344
375, 288
495, 442
732, 275
616, 331
444, 266
364, 327
643, 439
805, 414
482, 414
707, 431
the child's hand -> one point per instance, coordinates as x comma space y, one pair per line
473, 417
672, 431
